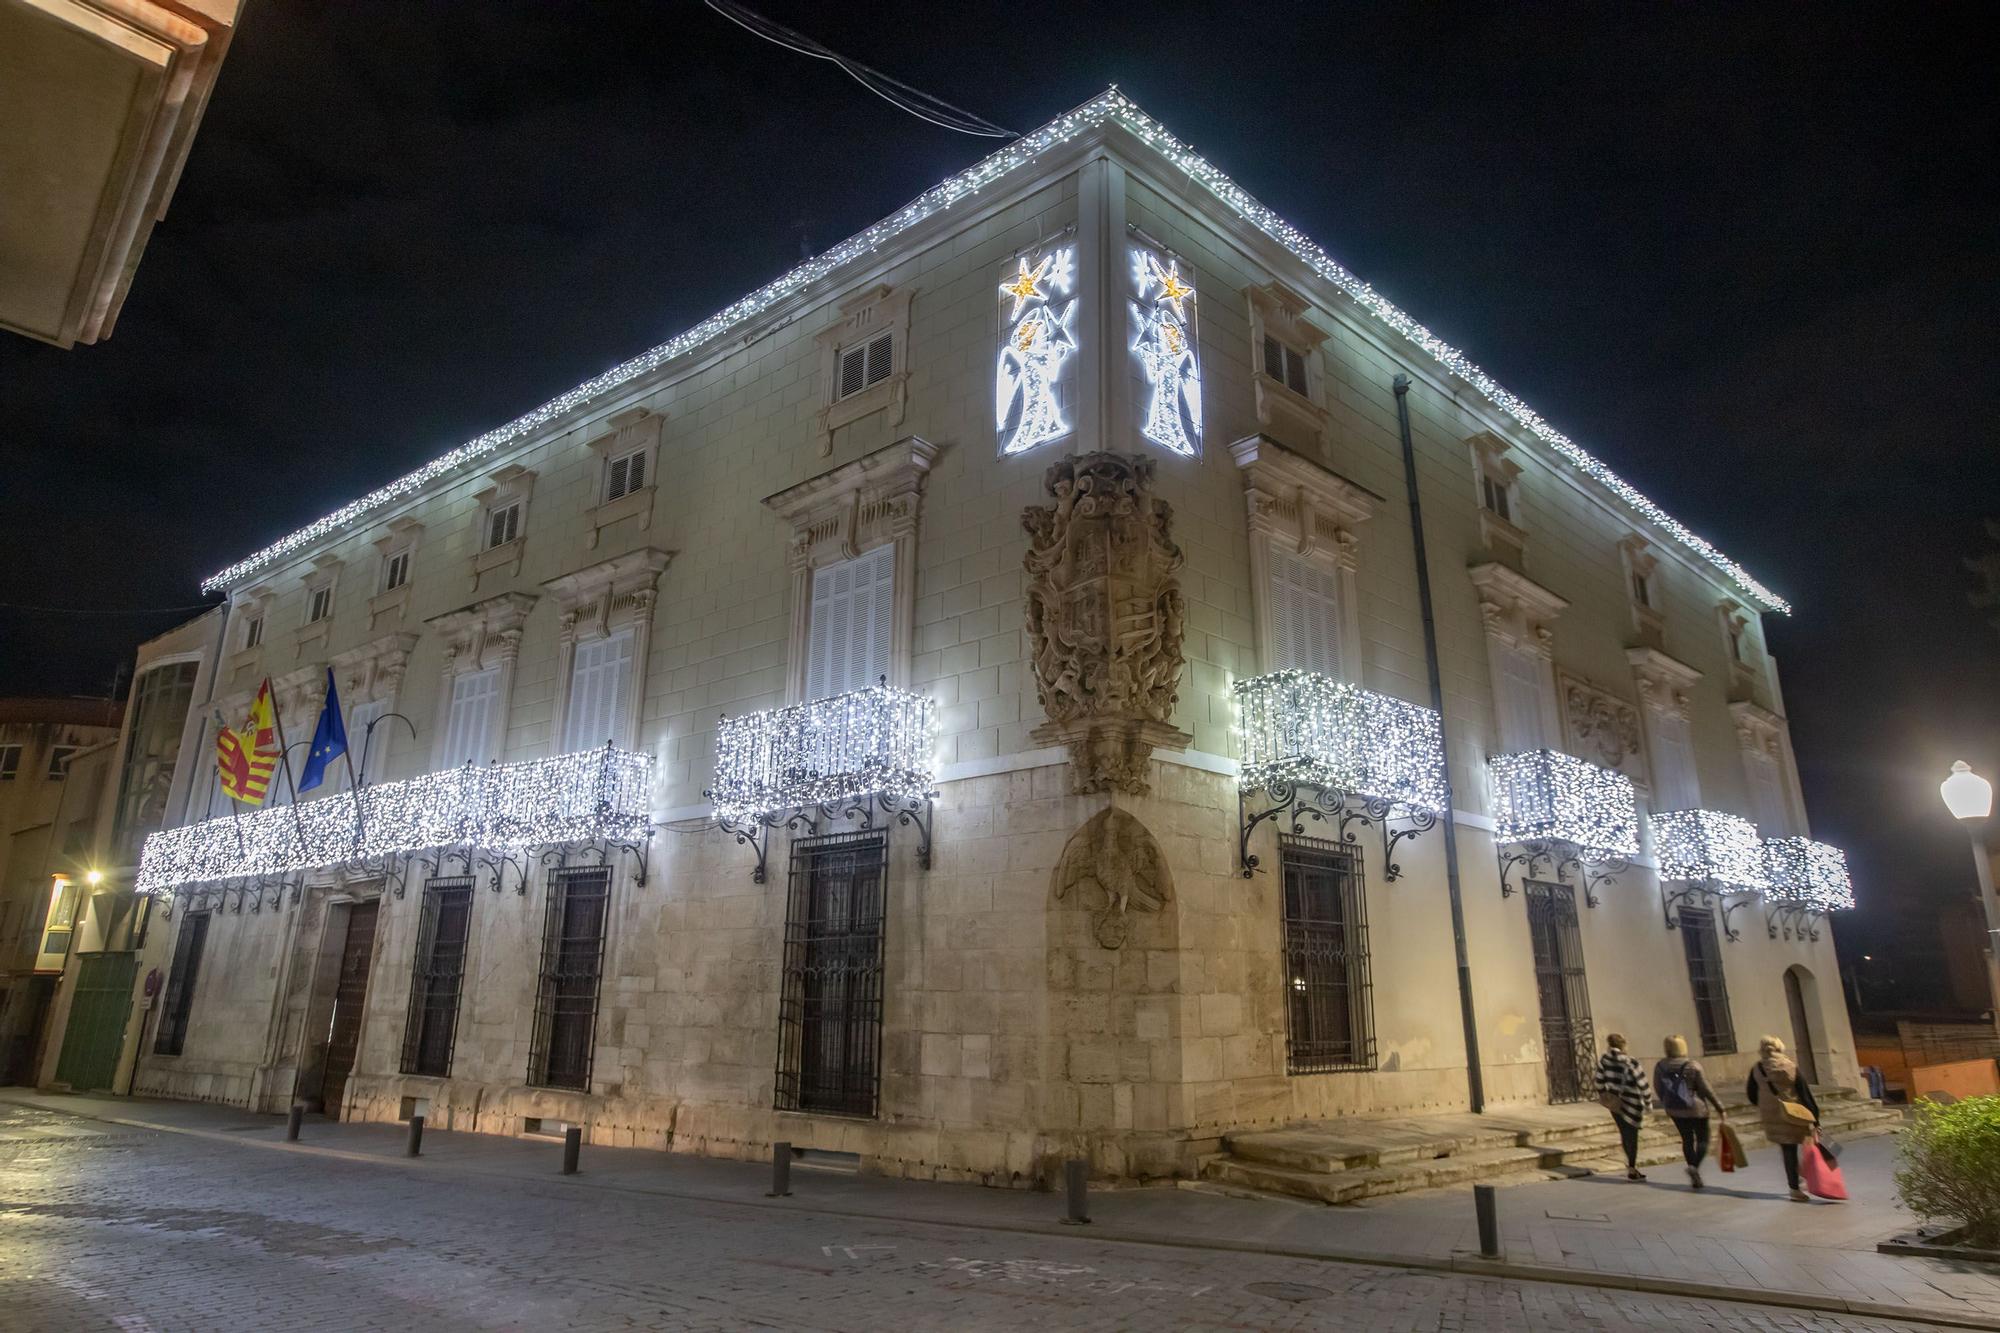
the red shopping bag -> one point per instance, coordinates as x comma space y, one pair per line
1822, 1173
1725, 1156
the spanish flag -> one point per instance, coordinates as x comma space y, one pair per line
245, 758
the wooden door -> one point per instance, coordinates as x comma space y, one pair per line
97, 1016
350, 997
1568, 1045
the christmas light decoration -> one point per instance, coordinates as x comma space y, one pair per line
1811, 875
603, 793
1545, 794
1037, 314
1108, 108
1709, 846
866, 743
1164, 338
1302, 727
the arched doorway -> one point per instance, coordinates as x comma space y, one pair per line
1802, 998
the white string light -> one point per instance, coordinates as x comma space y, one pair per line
1299, 726
1164, 339
1709, 845
602, 793
1547, 794
1111, 106
880, 741
1810, 874
1037, 334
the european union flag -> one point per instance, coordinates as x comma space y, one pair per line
329, 739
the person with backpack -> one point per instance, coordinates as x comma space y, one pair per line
1684, 1094
1621, 1089
1786, 1111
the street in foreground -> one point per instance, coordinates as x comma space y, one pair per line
113, 1227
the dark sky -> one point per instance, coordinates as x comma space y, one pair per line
1746, 255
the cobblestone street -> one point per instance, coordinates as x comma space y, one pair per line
109, 1227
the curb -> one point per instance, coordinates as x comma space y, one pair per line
1463, 1265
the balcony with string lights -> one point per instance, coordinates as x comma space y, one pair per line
1554, 813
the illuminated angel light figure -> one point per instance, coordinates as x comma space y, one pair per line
1163, 317
1037, 308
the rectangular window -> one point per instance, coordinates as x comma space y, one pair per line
359, 718
1738, 652
1305, 615
1767, 795
59, 757
253, 632
830, 1006
1498, 500
1674, 785
437, 978
503, 524
1711, 994
1642, 589
600, 691
319, 605
865, 366
470, 729
1522, 706
179, 1001
1329, 1021
395, 570
1285, 364
624, 474
10, 762
572, 964
848, 637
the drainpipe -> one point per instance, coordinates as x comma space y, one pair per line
1475, 1080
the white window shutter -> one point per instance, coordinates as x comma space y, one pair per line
1767, 796
600, 686
469, 732
1520, 702
848, 640
1305, 615
1674, 764
358, 718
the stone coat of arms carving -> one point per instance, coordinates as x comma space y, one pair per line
1117, 868
1105, 618
1602, 727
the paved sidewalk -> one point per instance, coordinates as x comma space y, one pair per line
1740, 1240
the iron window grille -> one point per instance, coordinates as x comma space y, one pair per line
830, 1008
1329, 1011
1569, 1044
1711, 992
437, 979
572, 966
179, 1002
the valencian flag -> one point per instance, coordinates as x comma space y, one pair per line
329, 739
246, 758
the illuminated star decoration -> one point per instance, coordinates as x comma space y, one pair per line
1036, 340
1163, 340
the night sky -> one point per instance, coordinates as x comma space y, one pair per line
1748, 257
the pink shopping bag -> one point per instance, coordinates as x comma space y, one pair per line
1822, 1174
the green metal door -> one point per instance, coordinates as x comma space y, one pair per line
97, 1020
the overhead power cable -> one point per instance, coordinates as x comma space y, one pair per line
898, 94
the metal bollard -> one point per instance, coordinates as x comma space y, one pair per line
781, 1171
293, 1121
416, 1144
572, 1148
1076, 1188
1484, 1204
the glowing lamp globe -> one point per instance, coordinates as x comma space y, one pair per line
1966, 794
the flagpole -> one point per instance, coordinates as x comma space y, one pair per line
285, 760
234, 822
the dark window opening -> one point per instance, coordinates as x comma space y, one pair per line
572, 965
438, 978
1329, 1018
179, 1001
1285, 364
830, 1009
1711, 994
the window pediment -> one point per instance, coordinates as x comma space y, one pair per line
373, 670
1664, 682
484, 634
1515, 608
1296, 500
845, 510
595, 601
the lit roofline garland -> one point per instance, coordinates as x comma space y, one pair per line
1108, 106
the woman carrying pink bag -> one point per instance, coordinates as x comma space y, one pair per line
1786, 1111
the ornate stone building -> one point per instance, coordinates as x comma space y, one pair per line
968, 704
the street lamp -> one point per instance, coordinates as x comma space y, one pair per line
1969, 797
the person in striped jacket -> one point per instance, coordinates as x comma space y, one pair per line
1621, 1088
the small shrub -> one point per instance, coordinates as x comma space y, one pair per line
1951, 1166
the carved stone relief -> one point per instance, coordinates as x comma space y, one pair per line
1602, 727
1105, 618
1114, 862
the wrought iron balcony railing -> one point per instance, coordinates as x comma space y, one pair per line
592, 795
848, 754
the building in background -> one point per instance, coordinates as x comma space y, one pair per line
51, 768
99, 103
134, 791
966, 705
